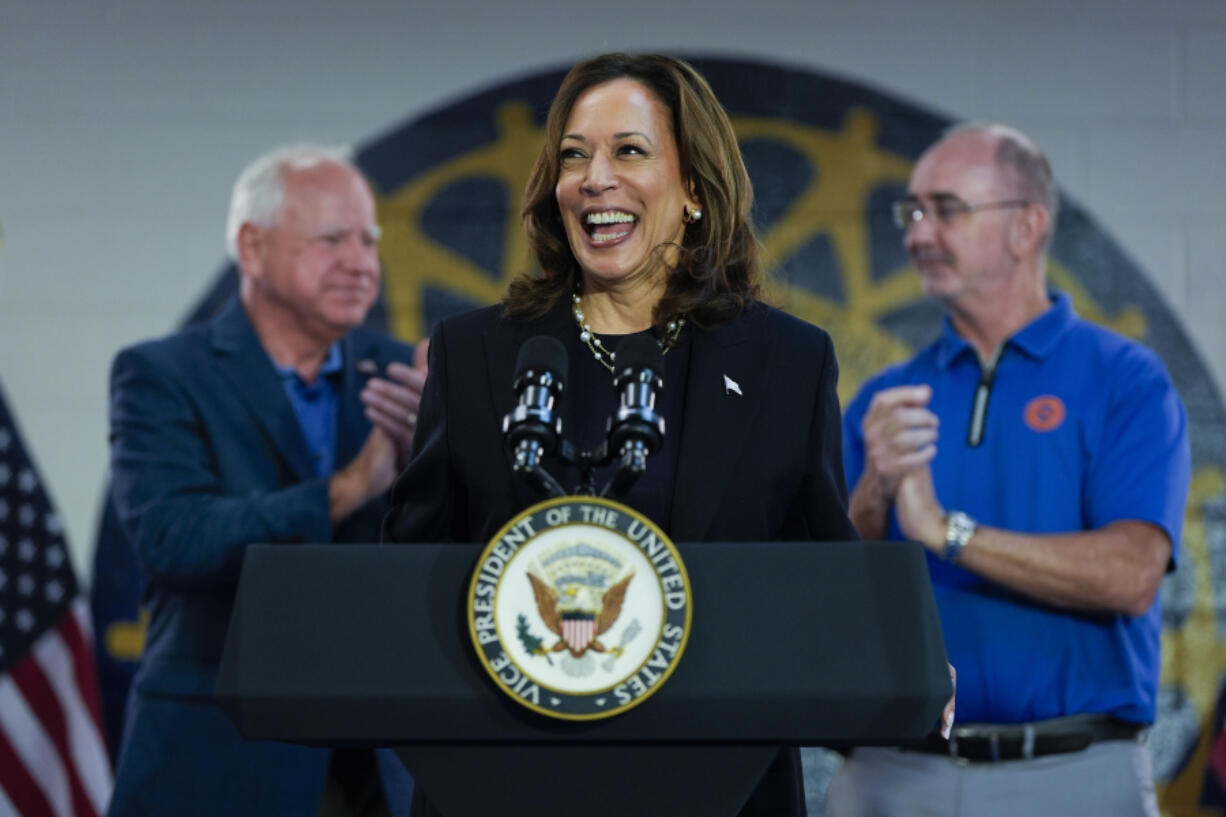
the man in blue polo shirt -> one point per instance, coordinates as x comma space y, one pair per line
1043, 462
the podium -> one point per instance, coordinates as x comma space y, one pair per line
792, 643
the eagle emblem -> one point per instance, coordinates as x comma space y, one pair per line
559, 620
580, 601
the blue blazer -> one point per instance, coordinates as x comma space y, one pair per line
207, 457
762, 465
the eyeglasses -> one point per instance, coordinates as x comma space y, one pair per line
944, 208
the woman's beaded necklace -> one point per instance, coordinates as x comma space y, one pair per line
600, 352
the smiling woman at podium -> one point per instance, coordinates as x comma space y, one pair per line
638, 213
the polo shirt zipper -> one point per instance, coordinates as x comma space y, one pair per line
979, 408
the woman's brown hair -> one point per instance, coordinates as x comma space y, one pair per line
719, 270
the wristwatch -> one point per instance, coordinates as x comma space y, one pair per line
959, 528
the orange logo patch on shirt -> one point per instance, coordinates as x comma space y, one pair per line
1044, 413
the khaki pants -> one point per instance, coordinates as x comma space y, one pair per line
1111, 778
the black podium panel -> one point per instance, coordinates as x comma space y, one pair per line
792, 643
595, 780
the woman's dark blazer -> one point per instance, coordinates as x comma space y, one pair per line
761, 447
760, 457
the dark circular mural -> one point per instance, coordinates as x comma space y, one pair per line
826, 156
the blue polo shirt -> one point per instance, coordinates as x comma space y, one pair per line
315, 407
1082, 428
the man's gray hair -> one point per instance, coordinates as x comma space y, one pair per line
259, 192
1020, 160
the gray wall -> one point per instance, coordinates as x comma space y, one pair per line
123, 124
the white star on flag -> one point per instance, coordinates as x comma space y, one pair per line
731, 386
55, 556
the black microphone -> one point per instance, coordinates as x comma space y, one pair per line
636, 431
531, 428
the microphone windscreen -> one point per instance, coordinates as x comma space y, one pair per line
639, 352
542, 353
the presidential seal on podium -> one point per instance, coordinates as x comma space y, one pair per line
579, 608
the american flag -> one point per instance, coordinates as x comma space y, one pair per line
53, 757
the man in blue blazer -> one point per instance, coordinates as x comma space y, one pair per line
281, 420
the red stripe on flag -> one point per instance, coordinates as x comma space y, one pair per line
84, 672
20, 788
45, 704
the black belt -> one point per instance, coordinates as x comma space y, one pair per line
992, 743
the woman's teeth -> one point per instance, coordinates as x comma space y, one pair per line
607, 219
